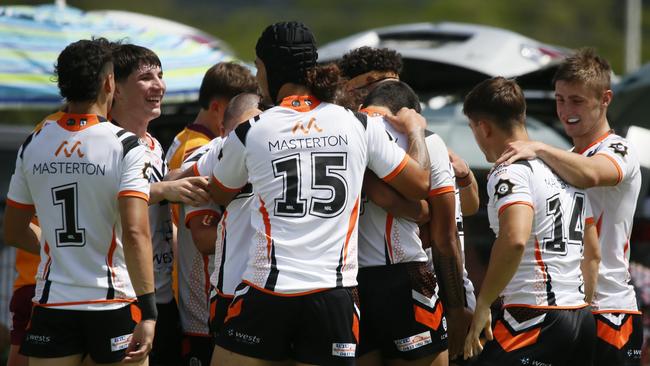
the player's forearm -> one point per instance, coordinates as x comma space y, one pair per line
504, 261
157, 192
469, 199
390, 200
590, 262
19, 232
26, 239
417, 148
136, 241
576, 169
446, 251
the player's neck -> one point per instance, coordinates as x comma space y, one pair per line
292, 89
208, 121
501, 145
86, 108
130, 122
599, 130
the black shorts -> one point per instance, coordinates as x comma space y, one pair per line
196, 350
166, 349
219, 304
104, 335
402, 315
21, 310
619, 339
319, 328
528, 336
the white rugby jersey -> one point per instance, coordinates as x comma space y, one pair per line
549, 273
614, 212
384, 239
194, 268
305, 160
234, 233
160, 222
72, 172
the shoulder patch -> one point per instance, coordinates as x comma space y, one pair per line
618, 148
503, 188
362, 117
428, 133
195, 158
242, 130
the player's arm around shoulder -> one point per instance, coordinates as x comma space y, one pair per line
576, 169
230, 174
411, 176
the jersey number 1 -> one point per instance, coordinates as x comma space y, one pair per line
70, 235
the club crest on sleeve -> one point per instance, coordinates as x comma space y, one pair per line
619, 148
503, 188
147, 170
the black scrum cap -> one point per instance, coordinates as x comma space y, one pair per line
288, 50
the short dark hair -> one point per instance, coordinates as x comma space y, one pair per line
129, 57
238, 105
365, 59
394, 95
499, 100
80, 68
225, 80
587, 68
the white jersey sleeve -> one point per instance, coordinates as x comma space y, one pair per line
136, 164
441, 175
616, 149
385, 158
230, 171
207, 157
509, 185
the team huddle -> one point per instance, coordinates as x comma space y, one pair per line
307, 216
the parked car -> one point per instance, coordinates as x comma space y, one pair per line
448, 59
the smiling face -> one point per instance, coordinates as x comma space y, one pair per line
581, 110
142, 92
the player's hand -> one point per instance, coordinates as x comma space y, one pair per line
407, 120
461, 169
458, 322
519, 150
191, 191
482, 321
141, 342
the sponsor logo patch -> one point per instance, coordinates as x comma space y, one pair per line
121, 342
344, 349
413, 342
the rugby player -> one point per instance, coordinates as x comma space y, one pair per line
220, 83
535, 267
87, 182
403, 320
607, 166
305, 159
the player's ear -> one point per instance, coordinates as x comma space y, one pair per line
109, 83
485, 127
214, 105
607, 98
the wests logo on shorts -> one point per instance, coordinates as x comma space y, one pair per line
413, 342
120, 343
37, 339
344, 349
